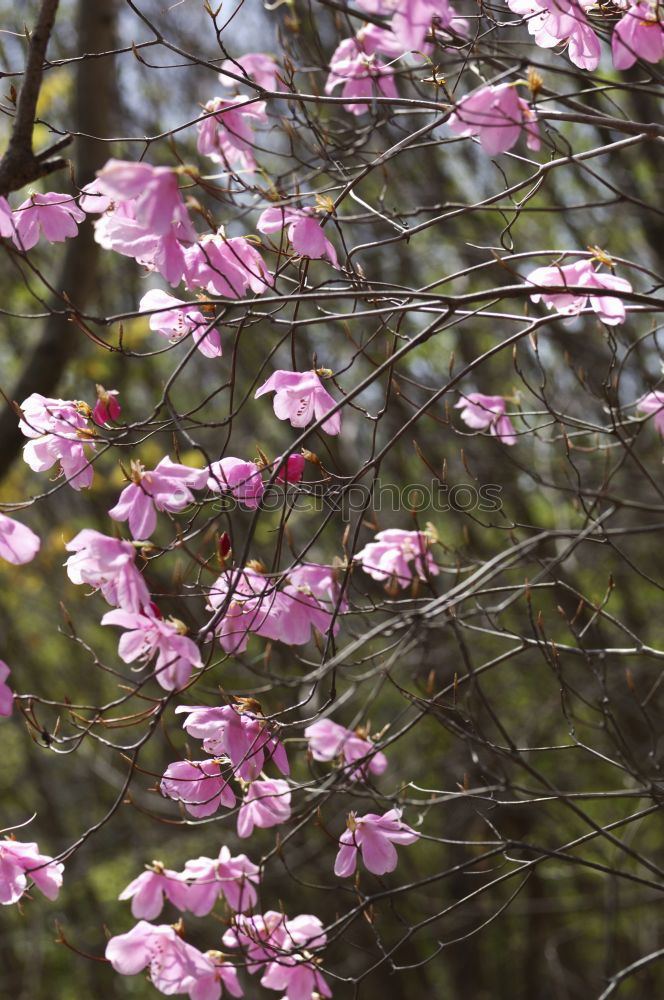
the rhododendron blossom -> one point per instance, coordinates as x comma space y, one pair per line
611, 310
6, 693
239, 478
153, 191
497, 115
18, 543
327, 740
60, 432
375, 836
149, 634
552, 22
21, 863
233, 878
487, 413
167, 487
107, 408
240, 734
198, 785
300, 398
148, 891
258, 65
355, 67
55, 215
226, 267
398, 556
226, 135
304, 231
638, 35
653, 405
266, 803
108, 564
175, 319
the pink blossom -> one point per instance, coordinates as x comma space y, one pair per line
301, 398
118, 230
290, 469
18, 543
397, 556
6, 693
234, 878
239, 733
375, 836
175, 319
226, 267
227, 135
56, 215
611, 310
304, 231
258, 65
20, 862
299, 978
412, 20
252, 603
653, 404
7, 220
149, 634
59, 432
638, 34
154, 192
355, 66
487, 412
266, 803
554, 21
327, 740
109, 564
148, 891
107, 409
199, 785
260, 937
497, 115
167, 487
313, 595
239, 478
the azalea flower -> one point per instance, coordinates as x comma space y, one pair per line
412, 20
55, 215
148, 634
227, 135
59, 431
290, 469
239, 478
304, 231
234, 878
300, 398
6, 693
199, 785
487, 412
148, 891
175, 319
397, 556
153, 191
119, 230
107, 409
252, 604
225, 267
258, 65
20, 863
241, 734
497, 115
167, 487
611, 310
327, 740
552, 22
18, 543
356, 67
638, 35
653, 404
266, 803
375, 836
109, 564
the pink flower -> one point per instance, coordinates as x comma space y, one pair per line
412, 21
7, 220
304, 231
154, 192
149, 634
610, 309
225, 267
241, 479
301, 398
252, 603
227, 135
258, 65
18, 543
242, 735
147, 892
209, 878
260, 937
118, 230
20, 862
653, 403
199, 785
167, 487
355, 66
56, 215
107, 409
299, 978
60, 432
487, 412
397, 556
554, 21
313, 595
290, 469
109, 564
175, 319
638, 34
327, 740
497, 115
375, 836
6, 693
266, 803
